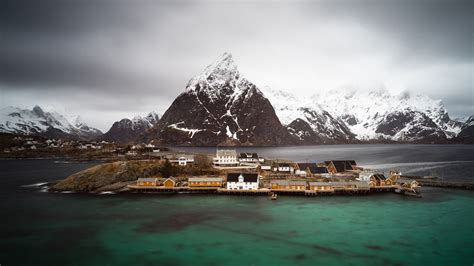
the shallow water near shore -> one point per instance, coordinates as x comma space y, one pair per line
81, 229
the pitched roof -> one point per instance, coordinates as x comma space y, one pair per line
318, 170
205, 179
379, 176
341, 166
147, 179
221, 153
172, 179
248, 155
319, 183
284, 164
359, 184
288, 182
303, 166
280, 182
248, 177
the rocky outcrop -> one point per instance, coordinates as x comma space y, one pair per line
109, 176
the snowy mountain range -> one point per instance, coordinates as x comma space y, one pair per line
373, 115
48, 124
220, 107
129, 130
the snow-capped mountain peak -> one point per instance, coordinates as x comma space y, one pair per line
220, 106
364, 111
306, 119
216, 75
38, 122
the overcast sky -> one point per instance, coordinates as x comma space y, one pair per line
106, 59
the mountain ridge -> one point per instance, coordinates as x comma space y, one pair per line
37, 122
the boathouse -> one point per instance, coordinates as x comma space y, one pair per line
288, 185
321, 186
379, 180
201, 182
349, 186
340, 166
147, 182
242, 181
170, 182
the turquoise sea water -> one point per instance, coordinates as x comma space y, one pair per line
40, 228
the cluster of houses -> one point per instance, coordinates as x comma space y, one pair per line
252, 182
232, 159
21, 144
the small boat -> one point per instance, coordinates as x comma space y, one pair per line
274, 196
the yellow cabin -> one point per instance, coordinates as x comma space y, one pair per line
147, 182
170, 182
205, 182
288, 184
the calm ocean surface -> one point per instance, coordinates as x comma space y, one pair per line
39, 228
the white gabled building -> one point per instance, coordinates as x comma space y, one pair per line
248, 157
242, 181
225, 158
283, 168
182, 159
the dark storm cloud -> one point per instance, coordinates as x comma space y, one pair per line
56, 44
425, 30
138, 55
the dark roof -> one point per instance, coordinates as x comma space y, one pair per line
248, 177
379, 176
318, 170
284, 164
341, 166
248, 155
303, 166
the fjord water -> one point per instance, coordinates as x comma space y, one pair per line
39, 228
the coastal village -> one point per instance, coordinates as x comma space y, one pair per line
250, 174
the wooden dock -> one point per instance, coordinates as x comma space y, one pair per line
266, 191
258, 192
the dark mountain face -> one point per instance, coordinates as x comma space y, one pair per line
128, 131
219, 107
410, 125
303, 131
467, 131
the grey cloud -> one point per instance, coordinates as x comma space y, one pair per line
128, 56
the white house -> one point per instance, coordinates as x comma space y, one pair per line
248, 158
242, 181
284, 168
225, 158
183, 159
